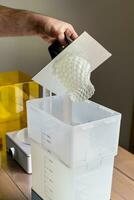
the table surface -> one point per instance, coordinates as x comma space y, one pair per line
15, 184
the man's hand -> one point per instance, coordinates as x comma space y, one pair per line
14, 22
51, 29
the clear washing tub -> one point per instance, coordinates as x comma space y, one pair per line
77, 133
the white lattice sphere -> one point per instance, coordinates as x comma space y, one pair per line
74, 74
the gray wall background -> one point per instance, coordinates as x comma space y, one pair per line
108, 21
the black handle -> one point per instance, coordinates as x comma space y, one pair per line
55, 48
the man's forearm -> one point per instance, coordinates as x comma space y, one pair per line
15, 22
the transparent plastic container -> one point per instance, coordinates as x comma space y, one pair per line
77, 133
52, 180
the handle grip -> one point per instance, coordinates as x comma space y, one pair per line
55, 48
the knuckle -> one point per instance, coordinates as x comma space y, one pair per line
70, 25
54, 30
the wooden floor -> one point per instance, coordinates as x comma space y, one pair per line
15, 184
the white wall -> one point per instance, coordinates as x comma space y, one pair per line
110, 22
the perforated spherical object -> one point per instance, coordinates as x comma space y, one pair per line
74, 74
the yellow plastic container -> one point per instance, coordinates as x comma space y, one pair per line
15, 89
